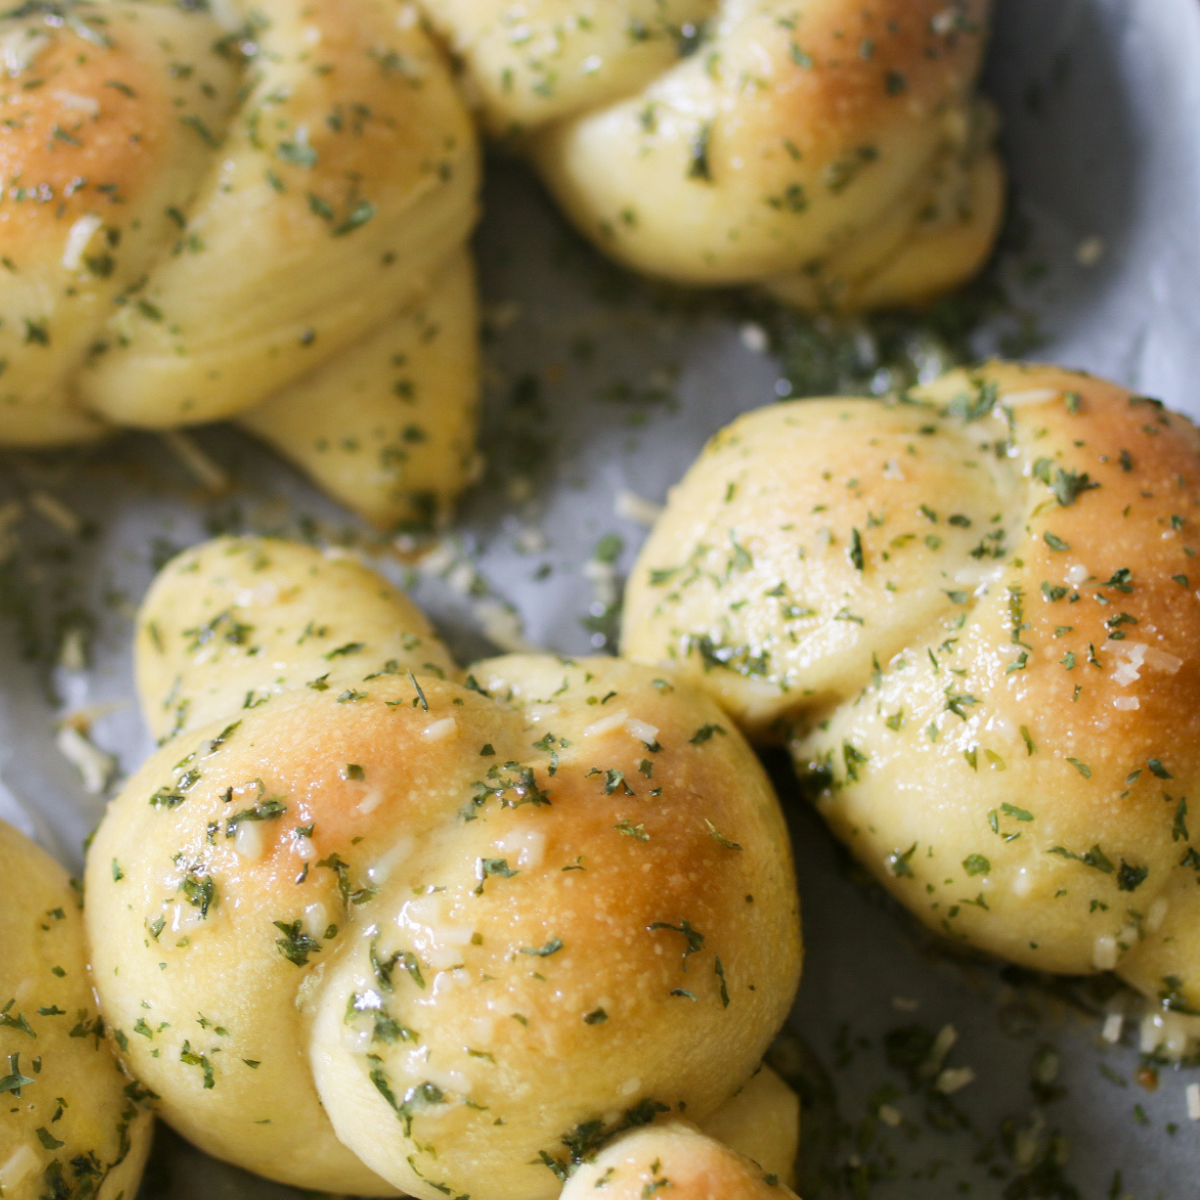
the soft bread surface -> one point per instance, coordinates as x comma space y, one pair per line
973, 617
393, 931
675, 1157
832, 149
71, 1120
207, 217
761, 1122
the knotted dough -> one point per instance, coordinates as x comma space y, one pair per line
834, 150
245, 213
73, 1124
972, 613
381, 926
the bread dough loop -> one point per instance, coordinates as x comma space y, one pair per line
971, 613
243, 212
73, 1122
393, 927
834, 151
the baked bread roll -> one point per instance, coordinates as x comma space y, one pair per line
390, 928
972, 614
833, 151
202, 221
74, 1125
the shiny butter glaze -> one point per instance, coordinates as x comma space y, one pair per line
394, 927
832, 150
198, 218
972, 616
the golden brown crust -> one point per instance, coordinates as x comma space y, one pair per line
852, 55
195, 218
103, 113
977, 615
415, 906
60, 153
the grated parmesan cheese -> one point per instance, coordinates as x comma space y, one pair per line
1170, 1034
72, 650
439, 558
1028, 1142
383, 866
606, 724
530, 540
78, 237
502, 625
1128, 669
56, 512
316, 917
754, 337
208, 473
95, 768
603, 578
249, 841
1089, 252
946, 21
1032, 396
439, 731
1104, 953
19, 48
1160, 660
642, 730
529, 845
632, 507
954, 1079
370, 802
77, 101
942, 1045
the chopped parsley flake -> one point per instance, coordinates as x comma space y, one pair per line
295, 945
553, 946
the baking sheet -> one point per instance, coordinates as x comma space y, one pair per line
598, 386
